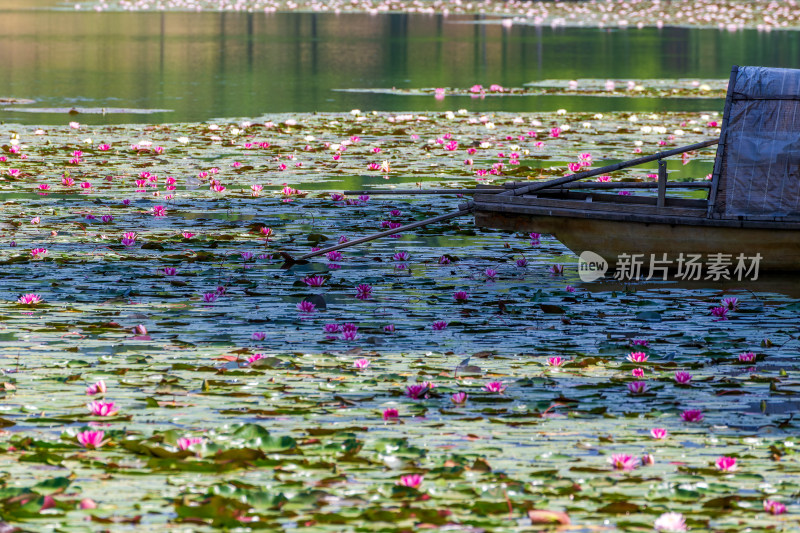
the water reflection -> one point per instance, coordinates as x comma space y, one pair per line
204, 65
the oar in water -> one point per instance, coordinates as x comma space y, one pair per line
524, 189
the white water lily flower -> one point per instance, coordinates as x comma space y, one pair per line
646, 129
450, 115
587, 125
235, 131
679, 132
637, 143
183, 140
598, 116
335, 147
486, 145
535, 123
310, 138
144, 142
213, 127
355, 112
87, 141
462, 111
489, 125
561, 112
564, 127
633, 118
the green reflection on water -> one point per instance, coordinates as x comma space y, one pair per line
206, 65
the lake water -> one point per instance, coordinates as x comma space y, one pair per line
206, 65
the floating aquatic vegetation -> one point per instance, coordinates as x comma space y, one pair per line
169, 370
650, 88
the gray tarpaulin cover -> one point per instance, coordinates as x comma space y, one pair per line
760, 166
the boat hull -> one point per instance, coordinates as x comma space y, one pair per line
779, 248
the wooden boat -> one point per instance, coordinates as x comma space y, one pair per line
750, 219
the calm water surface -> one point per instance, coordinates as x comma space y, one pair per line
206, 65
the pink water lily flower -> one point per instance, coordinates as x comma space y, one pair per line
670, 523
692, 415
306, 307
91, 439
658, 433
494, 386
730, 303
637, 357
460, 296
255, 357
390, 414
361, 364
637, 372
556, 361
96, 388
490, 274
637, 387
29, 299
314, 281
747, 357
416, 391
726, 464
38, 253
412, 481
682, 378
459, 398
721, 313
363, 291
623, 461
102, 408
332, 328
439, 325
774, 507
184, 443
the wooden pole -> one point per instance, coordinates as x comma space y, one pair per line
498, 190
524, 189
